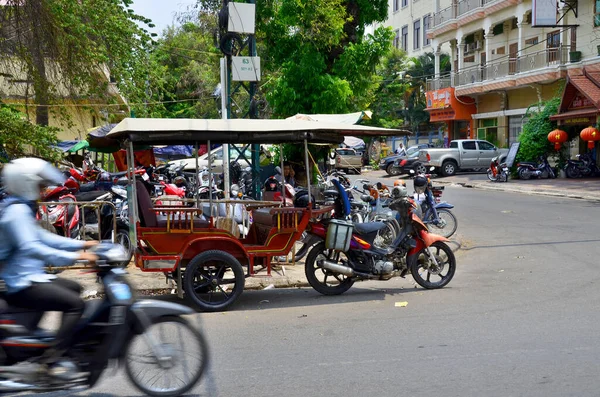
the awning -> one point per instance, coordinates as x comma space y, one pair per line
580, 103
577, 117
347, 118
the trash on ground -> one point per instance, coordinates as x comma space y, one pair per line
401, 304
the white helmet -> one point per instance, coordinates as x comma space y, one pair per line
24, 177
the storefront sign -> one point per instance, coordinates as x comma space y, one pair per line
579, 121
442, 115
439, 99
580, 102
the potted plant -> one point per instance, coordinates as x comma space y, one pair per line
575, 56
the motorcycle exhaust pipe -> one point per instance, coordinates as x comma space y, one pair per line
11, 386
334, 267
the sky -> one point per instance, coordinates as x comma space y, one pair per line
162, 12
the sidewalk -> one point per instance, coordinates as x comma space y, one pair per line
586, 189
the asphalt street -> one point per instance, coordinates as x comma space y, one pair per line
520, 318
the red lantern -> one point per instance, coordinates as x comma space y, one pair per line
590, 134
557, 137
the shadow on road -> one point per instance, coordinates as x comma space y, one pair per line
304, 297
466, 248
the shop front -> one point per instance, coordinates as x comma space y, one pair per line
579, 108
455, 113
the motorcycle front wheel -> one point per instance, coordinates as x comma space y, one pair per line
185, 354
572, 171
430, 273
524, 173
491, 176
449, 222
324, 281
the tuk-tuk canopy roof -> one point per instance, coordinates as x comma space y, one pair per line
185, 131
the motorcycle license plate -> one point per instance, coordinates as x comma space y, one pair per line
145, 177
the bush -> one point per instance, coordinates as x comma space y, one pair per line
534, 138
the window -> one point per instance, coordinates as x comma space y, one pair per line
483, 145
426, 22
404, 3
405, 38
532, 41
397, 38
396, 5
469, 145
416, 34
498, 29
597, 13
453, 145
515, 127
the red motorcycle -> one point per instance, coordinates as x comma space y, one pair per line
61, 219
343, 252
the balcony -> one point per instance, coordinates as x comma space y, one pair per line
504, 70
464, 11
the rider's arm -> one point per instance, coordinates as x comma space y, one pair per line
59, 242
21, 229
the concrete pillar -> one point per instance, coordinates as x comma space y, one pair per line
520, 43
437, 62
452, 60
461, 56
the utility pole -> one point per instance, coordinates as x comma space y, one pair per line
237, 19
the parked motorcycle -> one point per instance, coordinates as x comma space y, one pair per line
541, 169
498, 172
436, 214
61, 216
146, 336
584, 166
344, 252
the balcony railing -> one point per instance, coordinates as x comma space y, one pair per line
464, 6
444, 15
503, 68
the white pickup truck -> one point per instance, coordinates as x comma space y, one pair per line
348, 159
461, 155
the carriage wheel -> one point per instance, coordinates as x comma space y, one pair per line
213, 280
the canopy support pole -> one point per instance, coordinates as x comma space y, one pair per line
133, 205
210, 177
282, 174
197, 148
308, 173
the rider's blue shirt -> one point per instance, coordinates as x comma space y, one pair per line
28, 247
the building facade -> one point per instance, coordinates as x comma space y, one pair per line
501, 64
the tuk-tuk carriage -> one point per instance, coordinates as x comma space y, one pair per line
202, 253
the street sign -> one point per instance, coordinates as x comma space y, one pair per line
241, 17
245, 68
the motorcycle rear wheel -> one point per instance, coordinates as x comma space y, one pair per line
451, 224
422, 270
180, 340
491, 176
339, 283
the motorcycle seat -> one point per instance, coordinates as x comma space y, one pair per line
331, 193
369, 227
117, 174
89, 196
87, 187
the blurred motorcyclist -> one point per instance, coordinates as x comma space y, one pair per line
25, 248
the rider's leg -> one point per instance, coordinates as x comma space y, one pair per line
52, 296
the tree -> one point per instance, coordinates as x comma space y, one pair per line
57, 49
319, 57
185, 70
19, 137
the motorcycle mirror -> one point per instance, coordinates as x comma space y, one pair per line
278, 170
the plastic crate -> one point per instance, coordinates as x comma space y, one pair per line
339, 234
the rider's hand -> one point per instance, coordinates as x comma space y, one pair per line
89, 244
88, 256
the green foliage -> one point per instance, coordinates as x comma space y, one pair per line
534, 138
185, 65
374, 164
319, 60
19, 137
68, 49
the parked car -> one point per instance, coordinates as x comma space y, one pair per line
217, 160
348, 159
461, 155
412, 153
